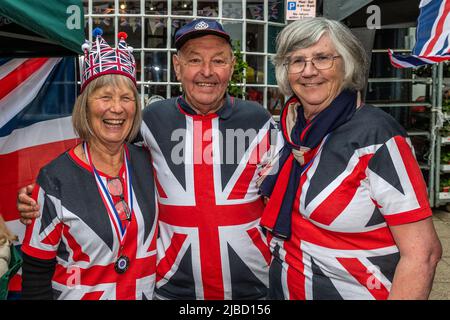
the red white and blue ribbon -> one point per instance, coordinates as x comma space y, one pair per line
106, 197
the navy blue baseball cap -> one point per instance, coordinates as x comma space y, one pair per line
198, 28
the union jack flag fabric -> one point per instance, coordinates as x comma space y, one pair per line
432, 36
102, 59
36, 101
363, 179
210, 243
76, 229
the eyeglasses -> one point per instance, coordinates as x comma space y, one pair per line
115, 188
298, 64
215, 63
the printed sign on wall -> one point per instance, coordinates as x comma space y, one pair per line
300, 9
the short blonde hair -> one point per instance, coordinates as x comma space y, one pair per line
80, 119
304, 33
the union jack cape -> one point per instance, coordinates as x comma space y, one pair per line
432, 36
36, 100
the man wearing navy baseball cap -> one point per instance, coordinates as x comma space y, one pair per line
198, 28
204, 64
211, 245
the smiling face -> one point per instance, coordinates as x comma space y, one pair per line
111, 111
317, 88
204, 67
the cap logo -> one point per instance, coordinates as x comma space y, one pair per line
202, 25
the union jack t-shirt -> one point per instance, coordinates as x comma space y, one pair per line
363, 179
76, 230
210, 244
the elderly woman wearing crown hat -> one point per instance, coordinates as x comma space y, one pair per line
96, 234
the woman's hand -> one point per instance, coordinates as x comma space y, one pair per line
28, 208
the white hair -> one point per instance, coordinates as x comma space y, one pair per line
302, 34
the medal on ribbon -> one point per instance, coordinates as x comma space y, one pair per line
122, 264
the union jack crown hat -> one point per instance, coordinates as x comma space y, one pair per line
197, 28
100, 59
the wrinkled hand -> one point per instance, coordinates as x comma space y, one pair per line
5, 234
27, 206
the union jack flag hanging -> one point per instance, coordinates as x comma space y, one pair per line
432, 36
36, 101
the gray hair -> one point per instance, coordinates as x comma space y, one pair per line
302, 34
80, 121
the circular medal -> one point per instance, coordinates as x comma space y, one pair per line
121, 264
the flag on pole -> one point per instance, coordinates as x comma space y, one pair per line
36, 101
432, 36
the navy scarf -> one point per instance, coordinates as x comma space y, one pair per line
299, 151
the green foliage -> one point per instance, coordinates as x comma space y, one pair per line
239, 72
423, 71
444, 183
445, 130
426, 70
446, 105
445, 157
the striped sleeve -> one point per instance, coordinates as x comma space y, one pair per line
396, 183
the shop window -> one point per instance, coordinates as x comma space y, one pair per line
85, 7
255, 69
235, 31
255, 94
107, 25
182, 7
248, 22
208, 8
272, 38
103, 7
155, 33
129, 6
137, 57
232, 9
271, 79
276, 11
155, 68
156, 7
132, 26
255, 37
255, 9
154, 92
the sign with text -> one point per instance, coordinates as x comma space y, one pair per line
300, 9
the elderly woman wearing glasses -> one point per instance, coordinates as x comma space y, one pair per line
95, 237
348, 211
